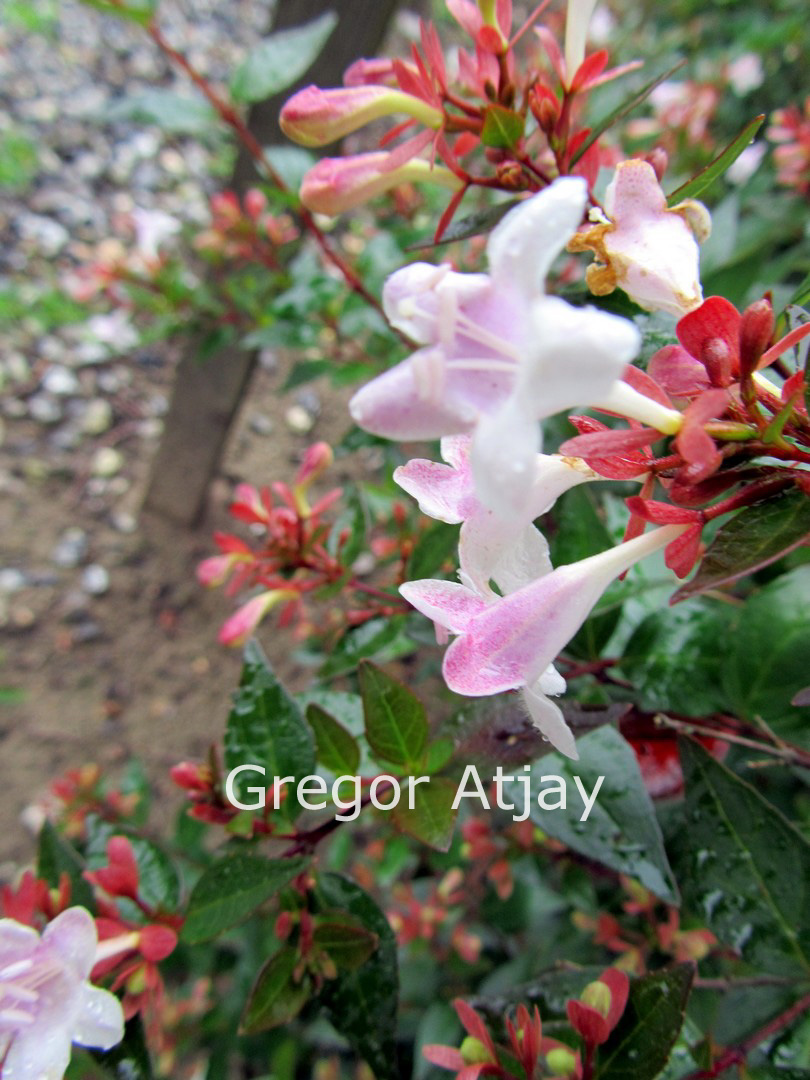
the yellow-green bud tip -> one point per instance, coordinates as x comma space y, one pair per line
473, 1052
561, 1061
597, 996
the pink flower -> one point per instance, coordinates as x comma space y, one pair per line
336, 185
507, 550
644, 247
239, 627
498, 354
315, 117
510, 642
46, 1000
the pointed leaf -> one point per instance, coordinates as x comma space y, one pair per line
640, 1044
483, 221
139, 11
749, 868
232, 889
349, 944
431, 551
503, 128
335, 747
715, 169
619, 113
621, 830
396, 727
276, 998
56, 856
266, 728
281, 59
362, 1004
433, 819
752, 539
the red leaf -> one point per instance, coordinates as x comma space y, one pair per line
715, 318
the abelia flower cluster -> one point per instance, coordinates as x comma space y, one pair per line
527, 1054
790, 130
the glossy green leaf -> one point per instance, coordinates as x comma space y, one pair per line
281, 59
675, 656
232, 889
641, 1042
276, 998
362, 1004
396, 726
334, 746
380, 639
623, 110
503, 128
719, 165
767, 665
621, 830
432, 550
433, 819
749, 868
266, 728
56, 856
348, 943
755, 537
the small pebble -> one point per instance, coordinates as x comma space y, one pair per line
71, 548
261, 424
107, 461
11, 580
95, 580
298, 420
44, 409
97, 418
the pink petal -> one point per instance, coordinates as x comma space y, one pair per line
438, 489
73, 936
447, 603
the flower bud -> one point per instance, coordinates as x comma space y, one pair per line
597, 996
317, 458
315, 117
561, 1061
473, 1052
336, 185
756, 330
716, 356
238, 628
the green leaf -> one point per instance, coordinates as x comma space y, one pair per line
335, 747
266, 728
380, 639
767, 664
139, 11
129, 1060
749, 868
281, 59
55, 856
19, 160
396, 726
641, 1042
276, 998
503, 128
482, 221
348, 943
433, 819
621, 830
717, 166
431, 551
362, 1004
176, 114
752, 539
623, 110
675, 657
232, 889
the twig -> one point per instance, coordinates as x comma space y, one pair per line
787, 753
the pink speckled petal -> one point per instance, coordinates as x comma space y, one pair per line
447, 603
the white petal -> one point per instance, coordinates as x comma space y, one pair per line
447, 603
503, 455
549, 720
522, 247
73, 935
100, 1022
577, 20
39, 1053
16, 941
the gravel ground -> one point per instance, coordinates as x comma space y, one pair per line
105, 638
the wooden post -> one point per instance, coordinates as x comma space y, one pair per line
207, 393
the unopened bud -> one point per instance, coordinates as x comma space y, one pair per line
255, 203
317, 458
597, 996
473, 1052
561, 1061
315, 117
547, 114
336, 185
284, 925
716, 357
756, 329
